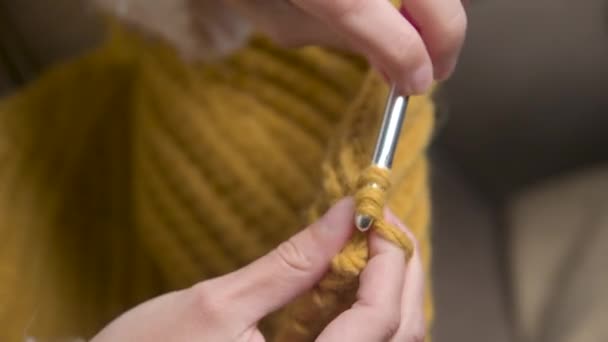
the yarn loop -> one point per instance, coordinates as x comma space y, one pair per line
371, 198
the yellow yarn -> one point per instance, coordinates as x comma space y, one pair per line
127, 173
371, 198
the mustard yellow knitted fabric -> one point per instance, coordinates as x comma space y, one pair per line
126, 173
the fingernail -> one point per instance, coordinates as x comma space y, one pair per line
339, 217
422, 78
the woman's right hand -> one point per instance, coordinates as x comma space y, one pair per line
411, 46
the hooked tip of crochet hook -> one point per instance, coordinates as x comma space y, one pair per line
363, 222
386, 144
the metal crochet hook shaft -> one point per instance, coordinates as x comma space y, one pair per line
394, 115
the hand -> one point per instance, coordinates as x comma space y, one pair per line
389, 300
411, 47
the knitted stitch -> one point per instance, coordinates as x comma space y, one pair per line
127, 173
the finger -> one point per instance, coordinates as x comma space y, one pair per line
442, 25
377, 29
413, 323
292, 268
376, 314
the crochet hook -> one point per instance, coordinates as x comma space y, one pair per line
386, 144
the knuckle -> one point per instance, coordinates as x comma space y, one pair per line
416, 337
409, 333
390, 324
205, 301
292, 258
391, 327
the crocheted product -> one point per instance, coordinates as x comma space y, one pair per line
127, 173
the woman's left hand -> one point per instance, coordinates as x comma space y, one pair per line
389, 303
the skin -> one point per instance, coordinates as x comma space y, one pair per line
389, 303
411, 46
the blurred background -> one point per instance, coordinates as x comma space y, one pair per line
520, 179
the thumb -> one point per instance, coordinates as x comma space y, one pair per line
292, 268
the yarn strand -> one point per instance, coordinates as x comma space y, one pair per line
371, 198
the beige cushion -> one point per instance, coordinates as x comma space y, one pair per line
467, 272
559, 257
529, 95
